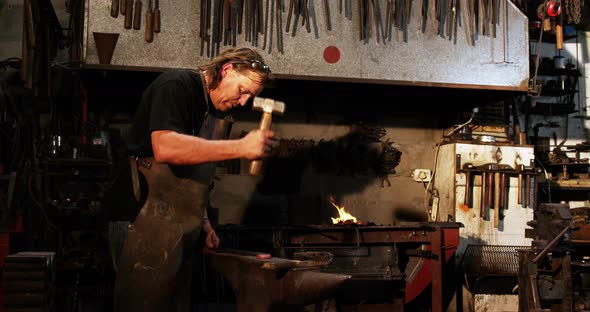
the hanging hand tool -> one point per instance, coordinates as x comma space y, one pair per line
226, 24
348, 9
260, 17
156, 16
234, 17
149, 23
490, 189
520, 169
406, 18
114, 8
493, 19
379, 22
467, 167
327, 14
265, 30
535, 190
423, 13
137, 15
389, 18
291, 7
502, 189
448, 17
205, 12
527, 191
123, 6
496, 199
439, 15
559, 32
279, 27
362, 20
215, 28
471, 22
482, 196
306, 15
129, 14
456, 12
483, 17
373, 19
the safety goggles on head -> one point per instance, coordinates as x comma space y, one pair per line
257, 65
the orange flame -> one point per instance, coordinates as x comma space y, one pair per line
344, 216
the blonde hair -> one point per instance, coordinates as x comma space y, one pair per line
243, 59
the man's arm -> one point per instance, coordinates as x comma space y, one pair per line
180, 149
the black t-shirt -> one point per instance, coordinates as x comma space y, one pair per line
173, 101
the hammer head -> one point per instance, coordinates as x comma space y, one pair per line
268, 105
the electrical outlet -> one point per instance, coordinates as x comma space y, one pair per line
422, 175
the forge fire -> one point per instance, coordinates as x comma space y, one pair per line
344, 217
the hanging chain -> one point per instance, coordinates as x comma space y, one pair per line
573, 10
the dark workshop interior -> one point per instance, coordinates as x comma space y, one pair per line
433, 155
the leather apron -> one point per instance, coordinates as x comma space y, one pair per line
154, 268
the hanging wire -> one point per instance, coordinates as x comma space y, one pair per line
538, 52
461, 125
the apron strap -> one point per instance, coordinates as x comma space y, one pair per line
134, 162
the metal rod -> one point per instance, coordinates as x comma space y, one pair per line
553, 242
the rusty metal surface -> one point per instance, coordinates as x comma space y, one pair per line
260, 287
366, 253
425, 59
356, 235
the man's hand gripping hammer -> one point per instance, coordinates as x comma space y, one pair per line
268, 108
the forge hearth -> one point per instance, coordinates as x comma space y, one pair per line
404, 259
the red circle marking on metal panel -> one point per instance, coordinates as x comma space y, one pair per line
331, 54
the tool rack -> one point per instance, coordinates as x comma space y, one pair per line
494, 179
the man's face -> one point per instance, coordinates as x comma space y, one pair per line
235, 88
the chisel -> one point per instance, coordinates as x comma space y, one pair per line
527, 190
114, 8
482, 196
137, 15
149, 23
496, 199
327, 15
502, 189
519, 169
490, 189
128, 14
156, 16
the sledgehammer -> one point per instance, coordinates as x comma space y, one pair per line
268, 108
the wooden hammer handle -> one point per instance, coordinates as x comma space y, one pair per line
137, 14
496, 199
114, 8
265, 121
128, 14
123, 6
156, 20
149, 24
256, 165
559, 33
